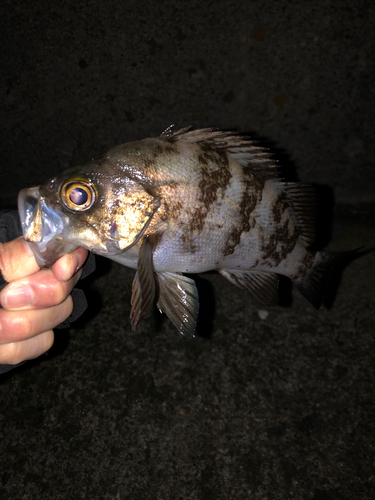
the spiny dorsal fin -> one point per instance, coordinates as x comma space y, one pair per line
178, 298
240, 148
261, 285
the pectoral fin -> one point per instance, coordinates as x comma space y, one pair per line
178, 295
143, 288
178, 298
261, 285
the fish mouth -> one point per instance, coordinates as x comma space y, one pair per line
43, 226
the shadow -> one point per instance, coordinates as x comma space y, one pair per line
285, 291
325, 203
287, 167
61, 343
335, 276
93, 297
207, 307
94, 306
25, 366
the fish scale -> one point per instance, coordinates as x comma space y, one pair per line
188, 201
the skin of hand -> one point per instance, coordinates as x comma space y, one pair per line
35, 301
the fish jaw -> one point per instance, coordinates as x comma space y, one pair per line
43, 227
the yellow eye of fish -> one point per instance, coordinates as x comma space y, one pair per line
77, 195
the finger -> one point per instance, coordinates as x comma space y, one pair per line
38, 291
17, 259
16, 326
69, 264
16, 352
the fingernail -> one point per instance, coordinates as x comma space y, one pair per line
78, 261
17, 296
73, 265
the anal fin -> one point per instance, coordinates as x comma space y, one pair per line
262, 285
178, 298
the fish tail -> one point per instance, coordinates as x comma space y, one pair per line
313, 285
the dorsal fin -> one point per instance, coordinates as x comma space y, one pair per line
301, 201
240, 148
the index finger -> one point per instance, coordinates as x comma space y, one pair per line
17, 259
65, 268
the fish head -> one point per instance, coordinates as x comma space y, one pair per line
93, 207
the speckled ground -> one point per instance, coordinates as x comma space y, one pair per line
264, 403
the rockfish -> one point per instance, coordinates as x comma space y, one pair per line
188, 201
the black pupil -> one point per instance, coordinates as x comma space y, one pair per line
78, 196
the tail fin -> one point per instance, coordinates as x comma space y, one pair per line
313, 285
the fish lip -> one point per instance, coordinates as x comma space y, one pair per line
28, 209
43, 227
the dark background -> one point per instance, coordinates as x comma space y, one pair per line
265, 402
80, 77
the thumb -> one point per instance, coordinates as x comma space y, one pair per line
17, 260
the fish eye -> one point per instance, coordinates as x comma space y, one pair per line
77, 195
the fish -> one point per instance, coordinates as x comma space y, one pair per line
185, 202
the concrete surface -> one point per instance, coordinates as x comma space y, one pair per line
264, 403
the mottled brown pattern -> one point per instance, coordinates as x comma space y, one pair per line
198, 219
173, 210
169, 209
188, 244
164, 148
214, 154
251, 196
164, 189
158, 150
279, 207
150, 162
213, 180
287, 240
233, 239
304, 266
169, 149
202, 159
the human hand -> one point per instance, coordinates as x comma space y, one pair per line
35, 301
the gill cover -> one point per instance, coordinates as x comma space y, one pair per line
120, 215
127, 213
